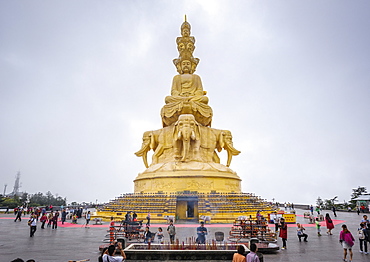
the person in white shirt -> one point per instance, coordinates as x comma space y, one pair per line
87, 217
109, 254
33, 225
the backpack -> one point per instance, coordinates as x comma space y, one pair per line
361, 234
30, 221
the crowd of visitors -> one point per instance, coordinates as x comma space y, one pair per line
346, 238
37, 214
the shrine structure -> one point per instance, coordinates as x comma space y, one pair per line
185, 178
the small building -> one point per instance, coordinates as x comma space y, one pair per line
363, 200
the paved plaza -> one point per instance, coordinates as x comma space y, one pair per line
75, 242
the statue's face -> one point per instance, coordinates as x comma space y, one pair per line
185, 32
181, 47
190, 47
186, 66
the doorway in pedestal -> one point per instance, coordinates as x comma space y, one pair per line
187, 208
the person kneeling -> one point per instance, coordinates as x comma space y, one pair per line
300, 233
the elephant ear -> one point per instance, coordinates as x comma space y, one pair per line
153, 143
175, 132
197, 131
221, 141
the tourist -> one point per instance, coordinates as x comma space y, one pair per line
87, 217
258, 215
329, 224
275, 219
362, 237
318, 210
171, 230
74, 219
19, 215
367, 233
239, 256
358, 210
50, 218
301, 233
202, 232
365, 220
318, 226
33, 225
134, 216
55, 220
148, 218
128, 216
147, 235
109, 254
252, 256
64, 216
100, 258
311, 209
160, 235
283, 232
347, 241
43, 220
334, 211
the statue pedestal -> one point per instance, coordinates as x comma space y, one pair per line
198, 177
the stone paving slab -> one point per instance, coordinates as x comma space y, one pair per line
75, 242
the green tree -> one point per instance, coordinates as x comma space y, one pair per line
11, 202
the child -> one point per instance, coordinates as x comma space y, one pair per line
159, 235
318, 227
74, 219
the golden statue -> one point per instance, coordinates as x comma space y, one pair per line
184, 151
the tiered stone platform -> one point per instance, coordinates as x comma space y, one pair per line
186, 207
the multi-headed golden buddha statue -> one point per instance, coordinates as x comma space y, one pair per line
187, 94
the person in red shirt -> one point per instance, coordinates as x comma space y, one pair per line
283, 232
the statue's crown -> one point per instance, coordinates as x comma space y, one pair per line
185, 25
185, 46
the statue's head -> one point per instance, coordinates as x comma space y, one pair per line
182, 64
185, 29
186, 67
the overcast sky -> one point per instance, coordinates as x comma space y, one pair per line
80, 81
